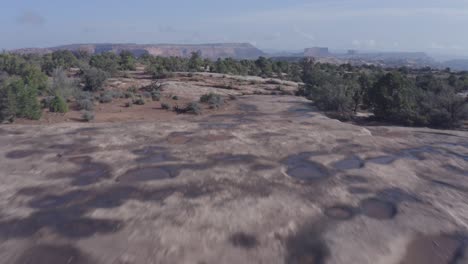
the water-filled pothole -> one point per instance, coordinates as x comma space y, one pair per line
144, 174
243, 240
301, 168
49, 254
378, 209
349, 164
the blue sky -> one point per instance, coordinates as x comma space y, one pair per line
436, 26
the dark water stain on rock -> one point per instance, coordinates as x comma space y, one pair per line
359, 190
308, 171
53, 254
397, 195
301, 168
340, 212
383, 160
67, 222
455, 169
216, 137
243, 240
232, 159
307, 247
434, 249
144, 174
378, 209
349, 163
266, 135
56, 201
90, 173
21, 154
217, 125
454, 186
80, 159
179, 138
263, 167
79, 147
418, 153
87, 131
247, 107
355, 179
153, 154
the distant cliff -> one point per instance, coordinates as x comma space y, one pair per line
210, 51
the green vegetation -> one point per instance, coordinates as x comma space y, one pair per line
58, 105
93, 79
165, 106
18, 99
88, 116
213, 100
420, 97
192, 108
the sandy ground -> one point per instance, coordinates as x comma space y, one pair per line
266, 180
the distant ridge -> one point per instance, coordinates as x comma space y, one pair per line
209, 51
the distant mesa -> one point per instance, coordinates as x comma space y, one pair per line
317, 52
209, 51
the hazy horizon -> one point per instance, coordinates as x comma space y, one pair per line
431, 26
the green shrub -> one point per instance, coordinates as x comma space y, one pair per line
213, 100
58, 105
146, 94
139, 101
175, 97
7, 104
105, 98
22, 99
155, 95
85, 104
87, 116
165, 106
94, 79
45, 102
193, 108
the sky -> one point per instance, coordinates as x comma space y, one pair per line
434, 26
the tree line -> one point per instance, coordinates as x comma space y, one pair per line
420, 97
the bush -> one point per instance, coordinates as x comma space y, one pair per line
85, 104
128, 104
45, 102
193, 108
155, 95
94, 79
165, 106
105, 98
18, 100
7, 105
58, 105
139, 101
88, 116
146, 94
61, 84
175, 97
214, 100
